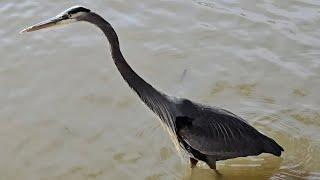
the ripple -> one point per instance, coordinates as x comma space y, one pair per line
257, 57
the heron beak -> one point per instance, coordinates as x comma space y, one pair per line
58, 20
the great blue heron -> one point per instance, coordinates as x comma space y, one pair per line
206, 133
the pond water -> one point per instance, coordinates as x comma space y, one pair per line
66, 113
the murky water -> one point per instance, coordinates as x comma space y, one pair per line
65, 112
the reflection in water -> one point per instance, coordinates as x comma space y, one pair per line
262, 167
67, 114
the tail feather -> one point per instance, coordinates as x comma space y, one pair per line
270, 146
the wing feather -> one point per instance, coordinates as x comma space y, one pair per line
218, 132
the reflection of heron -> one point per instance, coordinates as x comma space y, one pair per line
206, 133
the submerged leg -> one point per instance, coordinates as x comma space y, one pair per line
211, 161
193, 162
212, 164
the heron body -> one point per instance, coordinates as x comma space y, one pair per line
206, 133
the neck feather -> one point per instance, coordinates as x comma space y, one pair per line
155, 100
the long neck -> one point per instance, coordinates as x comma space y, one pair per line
156, 101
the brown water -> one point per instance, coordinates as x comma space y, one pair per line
65, 112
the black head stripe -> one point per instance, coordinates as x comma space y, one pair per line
78, 9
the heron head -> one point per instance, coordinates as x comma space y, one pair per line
73, 14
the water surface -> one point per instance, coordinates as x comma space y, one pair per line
65, 112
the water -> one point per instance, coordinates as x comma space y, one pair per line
67, 114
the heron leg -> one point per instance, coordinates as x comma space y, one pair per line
212, 164
213, 167
211, 161
193, 162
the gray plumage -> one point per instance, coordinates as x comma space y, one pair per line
206, 133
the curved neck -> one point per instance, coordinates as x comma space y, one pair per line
156, 101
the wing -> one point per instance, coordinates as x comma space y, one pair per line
220, 133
